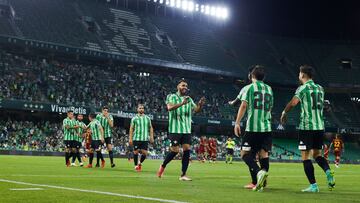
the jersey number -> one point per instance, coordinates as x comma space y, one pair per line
337, 144
262, 101
316, 100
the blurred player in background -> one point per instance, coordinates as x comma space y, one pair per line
140, 132
212, 147
202, 147
87, 143
311, 127
230, 146
97, 140
339, 147
69, 128
107, 123
326, 152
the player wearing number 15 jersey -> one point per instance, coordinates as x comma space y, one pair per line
311, 128
257, 100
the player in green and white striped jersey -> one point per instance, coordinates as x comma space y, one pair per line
257, 100
140, 132
180, 109
97, 139
69, 128
107, 122
78, 138
311, 128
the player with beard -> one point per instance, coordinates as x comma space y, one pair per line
180, 108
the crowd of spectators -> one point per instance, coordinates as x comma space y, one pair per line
118, 87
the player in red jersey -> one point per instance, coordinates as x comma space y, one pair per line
338, 148
87, 140
202, 147
326, 152
208, 149
212, 144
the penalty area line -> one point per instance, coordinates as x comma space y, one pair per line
92, 191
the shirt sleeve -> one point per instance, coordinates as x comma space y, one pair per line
240, 93
132, 123
170, 99
300, 92
149, 121
246, 94
111, 117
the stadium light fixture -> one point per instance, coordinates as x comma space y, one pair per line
213, 11
197, 7
172, 3
202, 8
155, 1
184, 5
161, 1
191, 6
178, 3
167, 2
207, 10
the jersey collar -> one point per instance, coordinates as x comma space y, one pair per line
309, 81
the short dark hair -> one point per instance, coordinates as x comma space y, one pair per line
105, 107
92, 115
258, 71
141, 104
308, 70
182, 80
70, 111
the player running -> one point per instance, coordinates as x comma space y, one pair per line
180, 109
338, 148
78, 138
69, 128
257, 101
140, 129
311, 127
97, 139
107, 122
230, 146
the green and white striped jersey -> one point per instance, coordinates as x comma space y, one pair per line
105, 124
69, 134
141, 125
311, 96
80, 131
95, 129
180, 119
260, 101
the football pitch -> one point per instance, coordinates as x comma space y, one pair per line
46, 179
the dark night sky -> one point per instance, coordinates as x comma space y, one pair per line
308, 18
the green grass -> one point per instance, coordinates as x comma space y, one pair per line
211, 182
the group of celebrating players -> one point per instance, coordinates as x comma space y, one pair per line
256, 101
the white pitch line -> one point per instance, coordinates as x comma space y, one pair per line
26, 189
152, 176
92, 191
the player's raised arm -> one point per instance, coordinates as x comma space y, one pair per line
198, 107
171, 106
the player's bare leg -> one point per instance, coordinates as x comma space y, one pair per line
136, 159
322, 162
